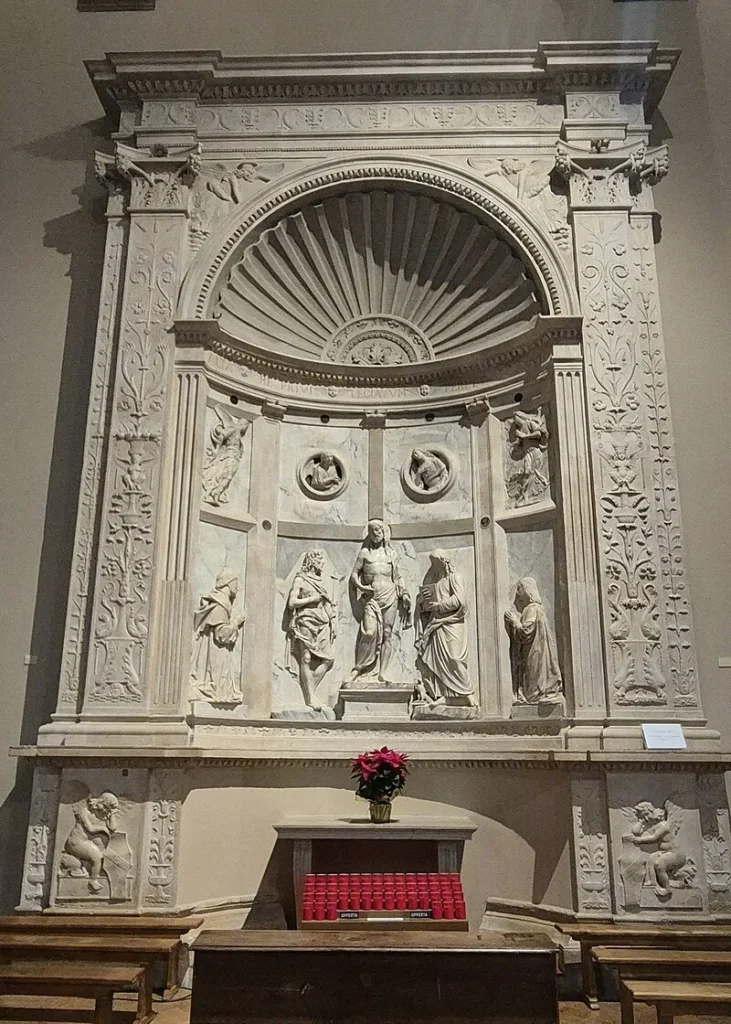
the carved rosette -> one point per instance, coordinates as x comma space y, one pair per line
378, 341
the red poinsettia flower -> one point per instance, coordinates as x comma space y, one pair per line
382, 773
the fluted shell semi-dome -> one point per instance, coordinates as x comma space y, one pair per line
377, 277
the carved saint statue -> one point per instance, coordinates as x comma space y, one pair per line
95, 845
666, 867
216, 631
382, 601
533, 654
527, 479
441, 636
223, 456
427, 471
311, 625
324, 474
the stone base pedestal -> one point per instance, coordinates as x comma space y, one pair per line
205, 711
442, 712
387, 703
324, 714
537, 712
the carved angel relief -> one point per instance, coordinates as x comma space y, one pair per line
526, 476
223, 456
96, 862
527, 181
656, 871
228, 184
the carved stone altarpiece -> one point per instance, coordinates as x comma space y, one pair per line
379, 360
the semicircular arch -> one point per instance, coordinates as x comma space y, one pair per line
527, 238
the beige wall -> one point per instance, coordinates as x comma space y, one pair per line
52, 243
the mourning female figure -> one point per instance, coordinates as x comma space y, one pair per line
441, 636
533, 655
216, 631
311, 625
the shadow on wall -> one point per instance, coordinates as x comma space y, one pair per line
534, 806
80, 236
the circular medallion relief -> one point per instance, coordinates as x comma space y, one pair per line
377, 340
428, 473
322, 476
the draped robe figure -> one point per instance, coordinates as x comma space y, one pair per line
216, 631
311, 626
428, 472
533, 654
382, 599
441, 635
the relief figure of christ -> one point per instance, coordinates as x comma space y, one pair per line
382, 603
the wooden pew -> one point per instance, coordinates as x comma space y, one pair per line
702, 936
671, 998
88, 981
107, 925
676, 964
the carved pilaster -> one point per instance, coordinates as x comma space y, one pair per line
37, 867
117, 670
716, 835
633, 478
73, 662
261, 561
581, 576
593, 886
174, 600
160, 872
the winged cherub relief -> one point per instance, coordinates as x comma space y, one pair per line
660, 862
229, 183
223, 456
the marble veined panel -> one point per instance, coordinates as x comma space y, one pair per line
449, 441
301, 442
340, 556
226, 473
531, 553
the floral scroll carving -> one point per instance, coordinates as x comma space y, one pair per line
161, 854
591, 845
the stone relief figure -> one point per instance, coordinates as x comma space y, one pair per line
95, 846
427, 470
441, 636
311, 626
665, 866
382, 602
527, 472
223, 456
216, 632
533, 654
322, 475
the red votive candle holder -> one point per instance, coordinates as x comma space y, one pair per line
319, 912
307, 912
355, 901
377, 901
331, 914
460, 911
436, 910
366, 900
401, 901
448, 911
423, 902
412, 901
342, 901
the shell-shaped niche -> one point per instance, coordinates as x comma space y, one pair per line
377, 277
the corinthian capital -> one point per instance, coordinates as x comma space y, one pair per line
156, 178
603, 176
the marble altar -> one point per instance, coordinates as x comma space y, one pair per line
379, 446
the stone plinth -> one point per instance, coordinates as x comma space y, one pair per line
367, 705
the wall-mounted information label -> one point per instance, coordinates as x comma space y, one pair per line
664, 736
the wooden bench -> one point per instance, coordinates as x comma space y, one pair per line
671, 998
143, 926
702, 936
676, 964
88, 981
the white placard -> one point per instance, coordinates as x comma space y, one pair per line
664, 736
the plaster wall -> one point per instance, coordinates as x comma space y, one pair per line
51, 259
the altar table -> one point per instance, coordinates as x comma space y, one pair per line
354, 978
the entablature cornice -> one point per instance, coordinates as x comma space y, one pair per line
208, 78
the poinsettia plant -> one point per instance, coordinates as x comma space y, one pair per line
381, 774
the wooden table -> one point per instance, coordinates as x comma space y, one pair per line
87, 981
675, 998
242, 976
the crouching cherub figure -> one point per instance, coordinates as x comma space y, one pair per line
96, 820
668, 867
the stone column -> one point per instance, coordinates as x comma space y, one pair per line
580, 568
119, 675
261, 556
647, 629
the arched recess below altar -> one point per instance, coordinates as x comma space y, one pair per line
380, 477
